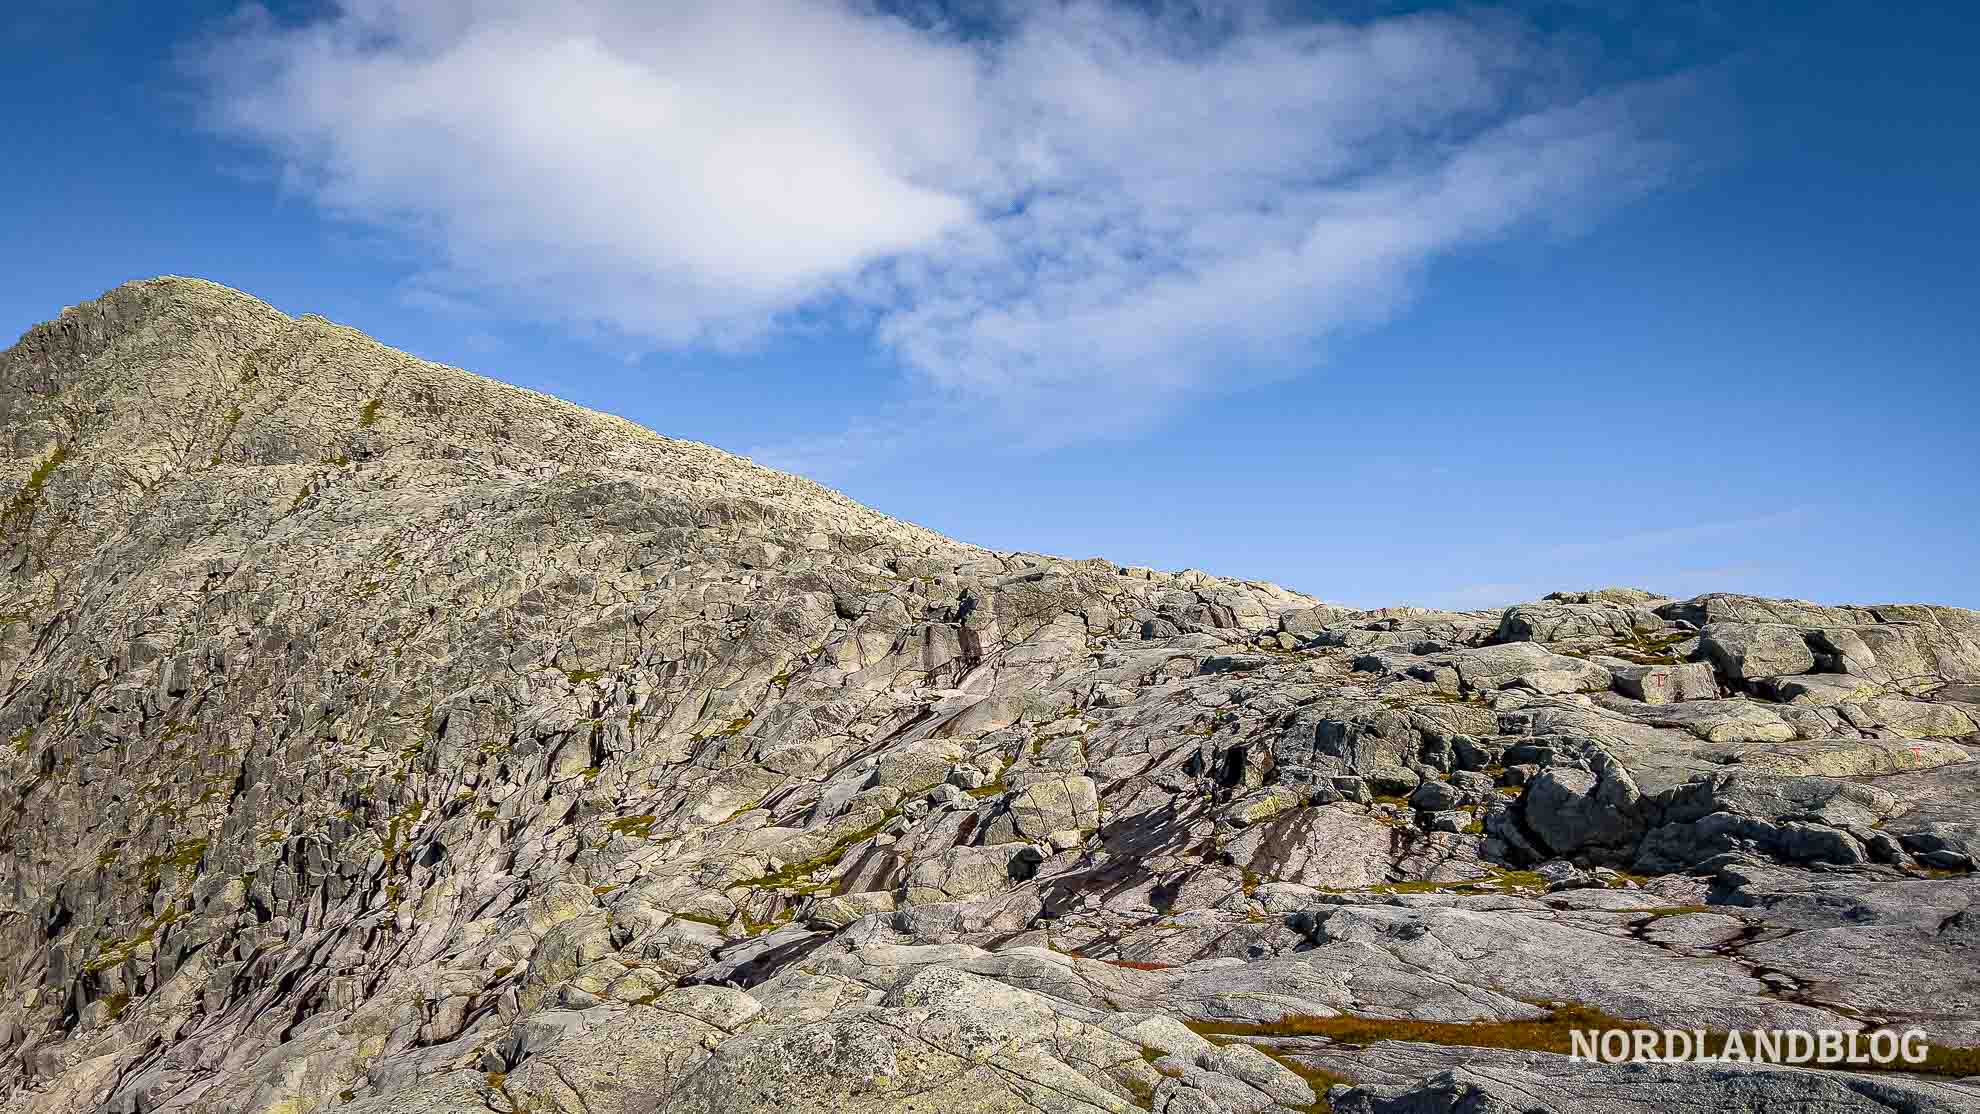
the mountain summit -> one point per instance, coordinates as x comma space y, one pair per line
377, 737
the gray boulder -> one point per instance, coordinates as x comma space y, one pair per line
1667, 684
1754, 651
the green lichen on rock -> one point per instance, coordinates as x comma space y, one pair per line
797, 876
21, 508
393, 846
182, 857
633, 827
118, 951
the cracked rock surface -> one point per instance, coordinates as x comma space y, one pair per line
375, 737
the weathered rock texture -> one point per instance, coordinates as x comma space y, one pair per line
377, 737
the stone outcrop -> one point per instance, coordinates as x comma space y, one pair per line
378, 738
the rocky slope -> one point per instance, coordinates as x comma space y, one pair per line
376, 737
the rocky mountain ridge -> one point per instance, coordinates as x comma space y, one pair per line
378, 737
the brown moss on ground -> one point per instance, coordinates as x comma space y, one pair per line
1546, 1034
1499, 881
1315, 1076
1936, 872
1655, 912
1551, 1033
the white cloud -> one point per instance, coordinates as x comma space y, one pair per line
1071, 222
1673, 537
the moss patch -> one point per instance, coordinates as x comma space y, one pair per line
635, 827
701, 918
1316, 1077
795, 876
1674, 911
1502, 881
398, 828
22, 506
184, 857
1651, 650
1551, 1033
1544, 1034
114, 952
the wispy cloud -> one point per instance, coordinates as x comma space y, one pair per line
1069, 217
1668, 538
831, 455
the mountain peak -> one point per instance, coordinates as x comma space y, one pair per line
176, 376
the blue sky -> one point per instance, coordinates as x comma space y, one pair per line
1388, 303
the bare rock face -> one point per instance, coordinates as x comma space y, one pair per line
379, 738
